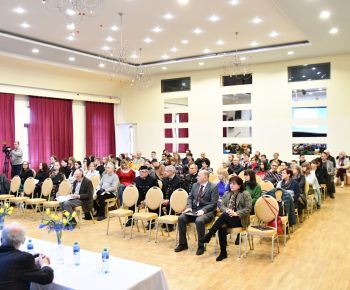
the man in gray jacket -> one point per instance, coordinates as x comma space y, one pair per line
201, 207
16, 156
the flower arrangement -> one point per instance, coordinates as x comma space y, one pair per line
5, 210
58, 223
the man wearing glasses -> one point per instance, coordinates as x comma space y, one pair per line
272, 175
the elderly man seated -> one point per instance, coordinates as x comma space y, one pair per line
83, 191
20, 269
107, 189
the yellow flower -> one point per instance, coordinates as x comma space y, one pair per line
56, 218
45, 222
52, 216
6, 205
48, 212
66, 213
1, 211
11, 208
9, 212
64, 221
74, 214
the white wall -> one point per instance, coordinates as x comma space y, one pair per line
271, 109
79, 130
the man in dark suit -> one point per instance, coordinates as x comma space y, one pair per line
201, 206
18, 269
83, 191
190, 178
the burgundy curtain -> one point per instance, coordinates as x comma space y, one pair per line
50, 129
183, 117
168, 118
183, 132
7, 125
169, 147
182, 147
168, 133
100, 129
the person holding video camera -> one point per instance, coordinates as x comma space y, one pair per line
16, 156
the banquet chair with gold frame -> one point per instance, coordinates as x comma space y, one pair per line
14, 188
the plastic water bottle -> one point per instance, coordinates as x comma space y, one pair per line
105, 261
30, 247
76, 254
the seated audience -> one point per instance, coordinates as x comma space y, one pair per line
342, 164
320, 171
289, 184
92, 171
236, 207
310, 177
86, 163
252, 187
25, 172
201, 207
107, 189
20, 269
66, 170
262, 169
263, 159
301, 159
272, 175
126, 177
138, 160
158, 171
184, 161
246, 162
71, 161
200, 160
328, 165
276, 158
53, 160
235, 167
206, 166
77, 165
41, 175
222, 184
190, 178
153, 156
82, 195
143, 183
57, 177
99, 166
177, 162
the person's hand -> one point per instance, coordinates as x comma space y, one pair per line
230, 212
43, 261
142, 204
187, 210
76, 196
165, 202
200, 212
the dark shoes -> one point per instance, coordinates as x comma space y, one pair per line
237, 240
87, 217
200, 251
332, 196
128, 223
100, 218
223, 255
206, 238
180, 248
152, 226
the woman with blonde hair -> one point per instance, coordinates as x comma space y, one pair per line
309, 172
222, 184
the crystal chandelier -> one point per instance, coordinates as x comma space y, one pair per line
235, 66
142, 75
75, 7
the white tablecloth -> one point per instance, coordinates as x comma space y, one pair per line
124, 274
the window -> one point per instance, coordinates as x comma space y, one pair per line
235, 99
176, 85
236, 80
176, 103
239, 115
309, 72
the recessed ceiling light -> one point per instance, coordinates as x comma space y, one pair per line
164, 68
71, 37
291, 52
183, 2
25, 25
313, 68
19, 10
174, 49
134, 55
325, 14
334, 30
157, 29
319, 74
254, 43
168, 16
165, 56
273, 34
201, 63
220, 42
197, 31
106, 47
206, 50
109, 39
304, 76
184, 41
70, 26
242, 58
214, 18
70, 12
234, 2
147, 40
35, 50
257, 20
71, 58
101, 65
114, 28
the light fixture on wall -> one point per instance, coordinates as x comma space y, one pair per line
235, 66
142, 75
74, 7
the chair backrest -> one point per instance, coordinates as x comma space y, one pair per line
154, 197
306, 188
29, 186
278, 195
258, 179
65, 188
213, 178
15, 184
241, 175
266, 208
95, 180
266, 186
178, 200
46, 188
130, 195
160, 184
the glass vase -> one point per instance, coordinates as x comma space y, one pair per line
2, 221
59, 249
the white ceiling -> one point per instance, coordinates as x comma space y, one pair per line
294, 21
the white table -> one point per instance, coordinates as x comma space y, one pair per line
124, 274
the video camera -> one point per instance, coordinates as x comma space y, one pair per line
6, 149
